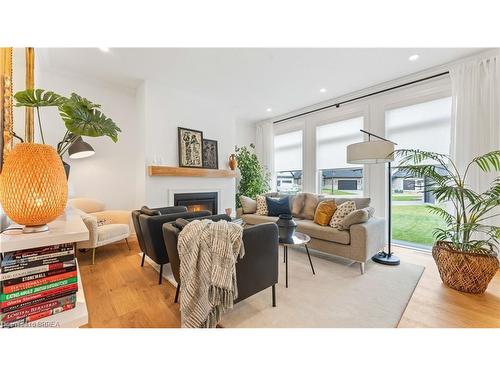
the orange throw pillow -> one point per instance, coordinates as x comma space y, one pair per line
324, 212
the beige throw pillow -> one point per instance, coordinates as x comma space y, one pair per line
248, 205
311, 202
356, 217
261, 205
342, 211
298, 204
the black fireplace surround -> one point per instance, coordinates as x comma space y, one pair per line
197, 201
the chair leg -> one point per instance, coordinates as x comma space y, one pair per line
161, 273
176, 299
93, 255
362, 267
126, 240
274, 295
143, 257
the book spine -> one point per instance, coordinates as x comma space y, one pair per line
38, 282
38, 289
38, 316
41, 275
36, 301
20, 254
10, 262
30, 271
46, 293
35, 309
37, 263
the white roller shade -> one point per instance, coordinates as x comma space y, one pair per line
288, 151
332, 141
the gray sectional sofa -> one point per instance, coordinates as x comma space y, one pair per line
358, 243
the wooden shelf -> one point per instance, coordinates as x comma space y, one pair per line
160, 170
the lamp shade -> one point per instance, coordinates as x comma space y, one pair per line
370, 152
33, 186
80, 149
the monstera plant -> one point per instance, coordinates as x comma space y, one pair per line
466, 247
80, 116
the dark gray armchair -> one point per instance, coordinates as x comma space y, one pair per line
148, 225
256, 271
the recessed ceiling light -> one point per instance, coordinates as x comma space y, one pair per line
104, 49
322, 90
413, 57
269, 109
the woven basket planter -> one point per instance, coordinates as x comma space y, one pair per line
33, 186
466, 272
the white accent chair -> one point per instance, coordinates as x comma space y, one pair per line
115, 224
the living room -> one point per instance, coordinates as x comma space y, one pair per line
243, 185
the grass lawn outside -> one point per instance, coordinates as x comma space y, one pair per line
414, 224
335, 192
406, 197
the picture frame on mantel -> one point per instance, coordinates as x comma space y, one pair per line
210, 157
190, 146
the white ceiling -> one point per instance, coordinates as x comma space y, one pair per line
248, 81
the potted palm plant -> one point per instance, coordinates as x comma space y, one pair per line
466, 249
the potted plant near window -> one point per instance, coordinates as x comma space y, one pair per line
466, 249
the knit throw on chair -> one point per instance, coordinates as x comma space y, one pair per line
208, 252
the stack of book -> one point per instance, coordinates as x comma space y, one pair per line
36, 283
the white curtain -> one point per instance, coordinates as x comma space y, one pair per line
476, 116
264, 147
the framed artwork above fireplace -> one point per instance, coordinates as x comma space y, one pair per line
190, 145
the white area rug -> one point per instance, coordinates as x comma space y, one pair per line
337, 296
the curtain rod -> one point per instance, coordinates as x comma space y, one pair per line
362, 97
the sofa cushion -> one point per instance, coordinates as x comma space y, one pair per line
356, 217
261, 205
342, 211
359, 202
314, 230
312, 201
324, 212
253, 219
248, 204
278, 206
112, 232
298, 205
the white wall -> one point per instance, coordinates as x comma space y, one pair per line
245, 132
111, 174
164, 111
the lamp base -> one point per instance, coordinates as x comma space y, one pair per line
35, 229
385, 258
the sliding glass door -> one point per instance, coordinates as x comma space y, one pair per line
424, 126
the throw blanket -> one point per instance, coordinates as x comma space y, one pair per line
208, 252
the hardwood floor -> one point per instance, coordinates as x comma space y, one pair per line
121, 294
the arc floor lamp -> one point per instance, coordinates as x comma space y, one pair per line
374, 152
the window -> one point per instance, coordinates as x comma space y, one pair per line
336, 177
424, 126
288, 162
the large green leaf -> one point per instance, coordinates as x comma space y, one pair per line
38, 98
82, 118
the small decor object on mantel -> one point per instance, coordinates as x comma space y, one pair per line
210, 154
190, 145
466, 247
233, 163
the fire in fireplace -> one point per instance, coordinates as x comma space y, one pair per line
197, 201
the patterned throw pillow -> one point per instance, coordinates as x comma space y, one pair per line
342, 211
261, 205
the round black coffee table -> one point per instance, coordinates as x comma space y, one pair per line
298, 239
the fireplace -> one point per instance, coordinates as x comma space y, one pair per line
197, 201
